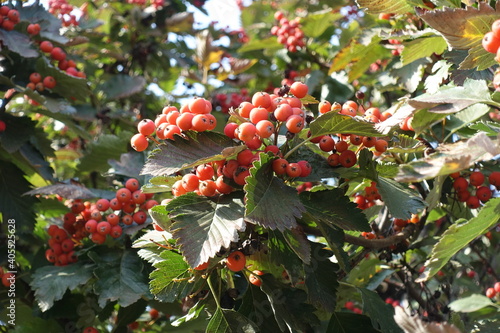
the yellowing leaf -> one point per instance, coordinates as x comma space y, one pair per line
385, 6
463, 29
213, 57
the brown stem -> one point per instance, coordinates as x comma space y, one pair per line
384, 242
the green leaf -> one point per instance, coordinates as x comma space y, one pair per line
160, 215
380, 313
167, 289
50, 24
256, 307
230, 321
333, 122
129, 165
466, 117
441, 71
321, 279
119, 277
170, 279
160, 184
121, 86
12, 203
385, 6
67, 191
451, 99
370, 54
269, 202
401, 201
422, 48
288, 305
298, 242
18, 42
180, 154
204, 225
51, 282
107, 146
463, 29
335, 239
458, 236
314, 24
192, 314
346, 322
270, 43
17, 132
281, 254
151, 239
130, 313
471, 303
335, 209
68, 86
404, 144
410, 76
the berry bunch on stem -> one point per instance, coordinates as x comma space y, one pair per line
288, 32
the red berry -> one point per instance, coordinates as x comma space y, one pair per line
490, 42
3, 126
490, 293
49, 82
139, 142
146, 127
254, 279
476, 178
57, 54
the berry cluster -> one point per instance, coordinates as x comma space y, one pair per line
368, 198
97, 220
62, 9
494, 291
8, 18
39, 83
226, 102
288, 32
7, 277
57, 54
195, 115
470, 187
397, 48
491, 40
33, 29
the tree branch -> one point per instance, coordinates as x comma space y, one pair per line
384, 242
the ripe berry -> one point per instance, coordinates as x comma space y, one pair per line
116, 231
476, 178
208, 188
236, 261
254, 279
283, 112
305, 168
293, 170
299, 89
202, 267
35, 78
190, 182
33, 29
460, 184
494, 179
140, 217
146, 127
246, 131
381, 145
103, 228
240, 174
123, 195
264, 128
90, 330
132, 184
139, 142
490, 42
57, 54
13, 15
496, 287
280, 166
333, 160
490, 293
185, 121
3, 126
483, 193
205, 171
473, 202
295, 123
348, 159
327, 143
229, 130
261, 99
324, 107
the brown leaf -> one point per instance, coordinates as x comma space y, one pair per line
413, 324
